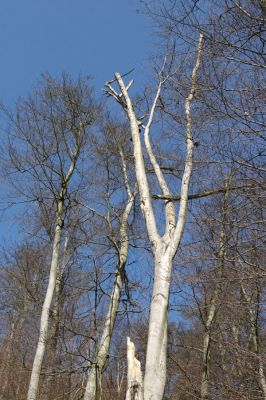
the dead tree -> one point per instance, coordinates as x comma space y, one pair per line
163, 247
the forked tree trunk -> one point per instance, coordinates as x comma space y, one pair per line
41, 346
163, 247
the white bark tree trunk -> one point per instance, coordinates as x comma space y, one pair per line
44, 324
41, 346
155, 369
94, 376
134, 375
55, 324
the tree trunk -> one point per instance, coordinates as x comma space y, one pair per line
41, 346
55, 324
155, 370
253, 314
204, 389
93, 386
254, 329
7, 363
262, 376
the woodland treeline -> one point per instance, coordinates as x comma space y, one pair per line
142, 216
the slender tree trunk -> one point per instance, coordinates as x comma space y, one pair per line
7, 363
204, 389
41, 346
95, 371
58, 304
261, 374
93, 386
253, 315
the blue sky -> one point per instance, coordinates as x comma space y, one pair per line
76, 36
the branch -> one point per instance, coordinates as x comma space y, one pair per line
146, 202
124, 172
203, 194
169, 209
189, 156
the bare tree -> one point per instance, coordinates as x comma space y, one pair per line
48, 133
121, 245
164, 247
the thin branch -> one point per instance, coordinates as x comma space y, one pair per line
203, 194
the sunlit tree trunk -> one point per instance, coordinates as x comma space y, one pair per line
42, 341
155, 369
55, 323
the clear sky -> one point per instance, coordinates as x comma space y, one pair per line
95, 37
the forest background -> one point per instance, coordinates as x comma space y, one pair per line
132, 200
